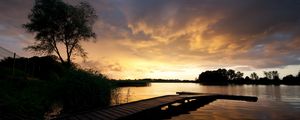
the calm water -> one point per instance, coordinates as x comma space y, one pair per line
274, 102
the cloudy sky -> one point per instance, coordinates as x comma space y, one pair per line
177, 38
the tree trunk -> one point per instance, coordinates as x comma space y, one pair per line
69, 61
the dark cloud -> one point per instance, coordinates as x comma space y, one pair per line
14, 12
261, 31
255, 33
237, 17
259, 17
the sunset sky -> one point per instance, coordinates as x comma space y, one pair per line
177, 39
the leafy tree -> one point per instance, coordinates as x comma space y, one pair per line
272, 75
267, 75
216, 77
231, 74
219, 76
288, 78
239, 75
55, 22
247, 78
275, 75
254, 76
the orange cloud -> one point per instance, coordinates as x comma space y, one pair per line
178, 38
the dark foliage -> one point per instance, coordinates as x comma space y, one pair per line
220, 76
55, 22
39, 83
44, 68
146, 82
83, 90
224, 77
127, 83
290, 79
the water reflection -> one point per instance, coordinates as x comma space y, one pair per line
274, 101
237, 110
276, 93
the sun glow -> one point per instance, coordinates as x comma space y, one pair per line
176, 39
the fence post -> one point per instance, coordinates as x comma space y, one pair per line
14, 65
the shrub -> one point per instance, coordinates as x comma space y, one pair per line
82, 90
25, 97
76, 91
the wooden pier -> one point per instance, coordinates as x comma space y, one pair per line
154, 108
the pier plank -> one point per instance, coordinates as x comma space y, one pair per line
98, 116
133, 108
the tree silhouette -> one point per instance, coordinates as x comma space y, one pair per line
220, 76
55, 22
254, 76
217, 76
272, 75
231, 74
239, 75
224, 77
275, 75
289, 78
267, 75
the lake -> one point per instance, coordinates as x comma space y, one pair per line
274, 102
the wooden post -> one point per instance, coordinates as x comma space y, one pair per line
13, 71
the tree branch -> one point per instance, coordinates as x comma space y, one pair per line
53, 42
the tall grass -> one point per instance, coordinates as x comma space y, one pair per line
82, 90
77, 90
26, 98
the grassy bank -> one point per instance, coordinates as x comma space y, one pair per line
66, 90
79, 90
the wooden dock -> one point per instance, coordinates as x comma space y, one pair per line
149, 108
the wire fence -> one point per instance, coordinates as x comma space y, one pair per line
4, 53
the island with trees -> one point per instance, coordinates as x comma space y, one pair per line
224, 77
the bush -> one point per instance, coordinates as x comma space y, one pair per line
76, 91
26, 98
82, 90
43, 68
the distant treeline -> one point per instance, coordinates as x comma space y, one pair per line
224, 76
166, 80
159, 80
130, 83
145, 82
